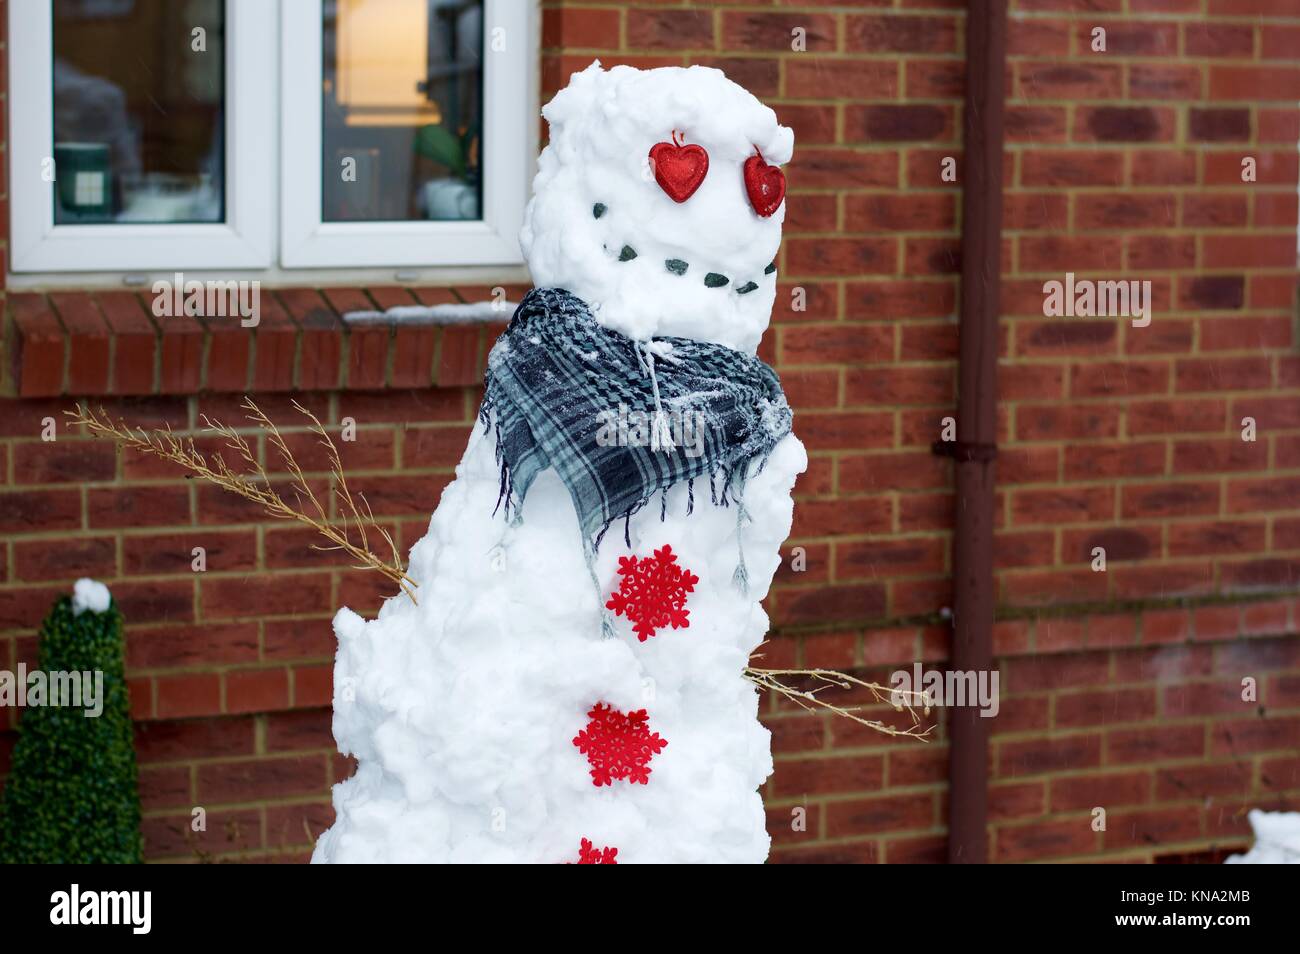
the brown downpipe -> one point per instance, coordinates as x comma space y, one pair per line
975, 448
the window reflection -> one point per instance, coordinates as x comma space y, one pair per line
139, 118
402, 110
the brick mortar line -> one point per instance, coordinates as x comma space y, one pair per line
284, 801
1034, 614
236, 760
1148, 770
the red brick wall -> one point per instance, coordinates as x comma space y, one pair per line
1121, 690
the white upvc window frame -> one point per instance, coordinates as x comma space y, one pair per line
274, 69
308, 242
243, 241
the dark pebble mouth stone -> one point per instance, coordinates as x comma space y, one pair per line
676, 266
770, 269
598, 209
627, 254
714, 280
746, 288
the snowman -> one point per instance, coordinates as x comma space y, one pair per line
569, 686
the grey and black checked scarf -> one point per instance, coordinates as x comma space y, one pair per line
556, 377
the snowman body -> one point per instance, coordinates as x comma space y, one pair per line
462, 709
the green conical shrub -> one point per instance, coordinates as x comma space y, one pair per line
72, 795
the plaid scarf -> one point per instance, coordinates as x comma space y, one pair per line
621, 420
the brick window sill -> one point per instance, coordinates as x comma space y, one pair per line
109, 343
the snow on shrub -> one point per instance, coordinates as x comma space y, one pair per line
72, 794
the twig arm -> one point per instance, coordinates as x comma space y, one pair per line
255, 484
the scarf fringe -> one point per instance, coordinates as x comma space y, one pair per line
741, 577
731, 490
661, 432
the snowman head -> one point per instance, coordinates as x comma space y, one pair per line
658, 201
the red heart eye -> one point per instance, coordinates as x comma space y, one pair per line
679, 169
765, 185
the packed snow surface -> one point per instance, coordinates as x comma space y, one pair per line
1277, 839
89, 595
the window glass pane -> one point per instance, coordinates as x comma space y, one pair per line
139, 97
402, 110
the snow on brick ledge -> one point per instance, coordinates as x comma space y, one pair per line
109, 342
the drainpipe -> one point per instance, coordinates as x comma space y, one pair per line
975, 448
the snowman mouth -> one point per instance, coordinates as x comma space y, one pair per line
680, 267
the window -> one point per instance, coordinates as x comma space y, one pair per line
142, 161
405, 123
133, 148
268, 135
402, 95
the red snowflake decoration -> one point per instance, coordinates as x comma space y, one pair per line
618, 745
590, 855
652, 593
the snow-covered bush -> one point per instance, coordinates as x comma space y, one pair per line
72, 794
